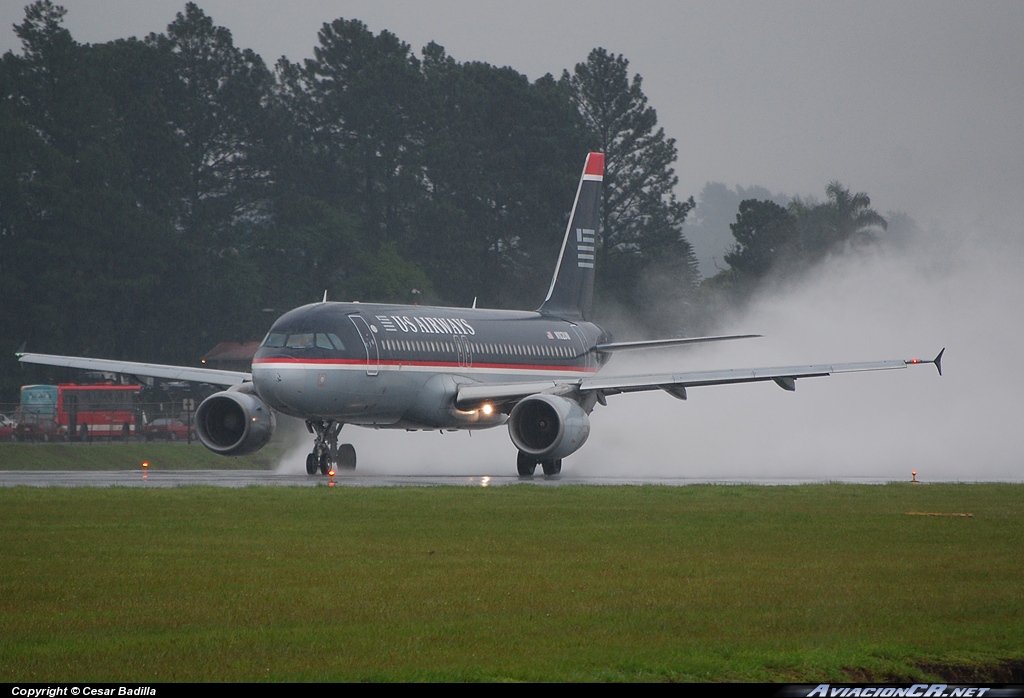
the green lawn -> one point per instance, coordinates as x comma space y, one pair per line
794, 584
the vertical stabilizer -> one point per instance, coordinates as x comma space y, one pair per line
572, 288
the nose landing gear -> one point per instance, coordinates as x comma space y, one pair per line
326, 451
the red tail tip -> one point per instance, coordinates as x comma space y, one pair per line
595, 164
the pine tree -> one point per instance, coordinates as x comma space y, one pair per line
643, 252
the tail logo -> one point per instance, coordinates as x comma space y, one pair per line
585, 248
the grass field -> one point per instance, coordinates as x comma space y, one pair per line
792, 584
121, 456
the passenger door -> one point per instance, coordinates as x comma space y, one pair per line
370, 342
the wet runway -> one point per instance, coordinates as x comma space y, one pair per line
269, 478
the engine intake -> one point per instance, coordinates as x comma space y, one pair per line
234, 424
548, 427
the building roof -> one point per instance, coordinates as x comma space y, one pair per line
232, 351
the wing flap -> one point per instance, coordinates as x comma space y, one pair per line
179, 373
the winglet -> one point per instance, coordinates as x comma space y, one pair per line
937, 361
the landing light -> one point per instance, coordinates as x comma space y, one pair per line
487, 409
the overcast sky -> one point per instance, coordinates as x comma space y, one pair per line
917, 103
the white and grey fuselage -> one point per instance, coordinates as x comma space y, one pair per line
396, 366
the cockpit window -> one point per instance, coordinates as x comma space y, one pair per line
275, 339
301, 340
329, 340
304, 340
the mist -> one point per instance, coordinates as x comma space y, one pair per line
959, 287
941, 289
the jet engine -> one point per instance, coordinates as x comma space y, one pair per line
548, 427
234, 423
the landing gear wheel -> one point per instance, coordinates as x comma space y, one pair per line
551, 467
525, 465
325, 447
347, 457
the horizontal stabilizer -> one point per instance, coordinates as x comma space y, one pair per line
662, 343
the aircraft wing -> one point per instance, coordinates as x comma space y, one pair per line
675, 384
178, 373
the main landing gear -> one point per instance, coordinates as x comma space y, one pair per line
527, 465
326, 451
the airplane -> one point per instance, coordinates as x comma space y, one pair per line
442, 368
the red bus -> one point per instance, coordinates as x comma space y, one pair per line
74, 411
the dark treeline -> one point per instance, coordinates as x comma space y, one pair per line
158, 196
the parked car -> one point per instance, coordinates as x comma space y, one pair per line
169, 428
8, 428
33, 427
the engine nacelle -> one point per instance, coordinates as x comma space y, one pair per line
234, 423
548, 427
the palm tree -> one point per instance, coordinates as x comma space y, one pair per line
844, 219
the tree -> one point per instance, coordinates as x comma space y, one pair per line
786, 241
502, 159
215, 95
363, 95
83, 253
707, 227
763, 230
843, 219
642, 220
